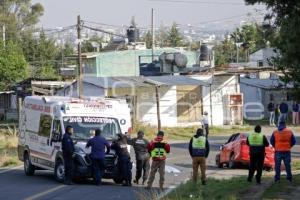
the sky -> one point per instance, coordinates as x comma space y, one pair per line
59, 13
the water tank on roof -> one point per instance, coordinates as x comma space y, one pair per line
133, 34
204, 52
172, 62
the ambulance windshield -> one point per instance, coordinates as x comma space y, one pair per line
84, 127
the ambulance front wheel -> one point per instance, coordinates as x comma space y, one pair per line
28, 167
59, 171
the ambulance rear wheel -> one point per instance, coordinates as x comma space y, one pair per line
28, 167
59, 171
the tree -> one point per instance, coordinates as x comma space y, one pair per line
162, 36
148, 39
286, 17
13, 66
19, 16
174, 36
224, 53
90, 44
43, 59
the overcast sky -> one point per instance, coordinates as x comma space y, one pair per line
119, 12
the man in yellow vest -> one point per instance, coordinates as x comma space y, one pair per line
199, 150
257, 143
158, 150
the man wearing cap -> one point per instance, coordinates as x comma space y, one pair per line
199, 150
257, 143
142, 157
283, 140
158, 149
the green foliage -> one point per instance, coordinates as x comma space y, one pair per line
286, 15
174, 36
230, 189
13, 66
148, 40
42, 57
162, 36
87, 46
19, 16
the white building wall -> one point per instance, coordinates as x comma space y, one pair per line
147, 110
221, 85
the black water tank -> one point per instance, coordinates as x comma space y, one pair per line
204, 52
133, 34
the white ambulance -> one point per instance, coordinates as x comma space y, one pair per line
42, 124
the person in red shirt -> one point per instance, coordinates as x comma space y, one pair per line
158, 149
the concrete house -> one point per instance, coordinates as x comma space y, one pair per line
259, 92
180, 97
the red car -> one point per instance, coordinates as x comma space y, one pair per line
235, 152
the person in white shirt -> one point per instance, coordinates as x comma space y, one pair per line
205, 123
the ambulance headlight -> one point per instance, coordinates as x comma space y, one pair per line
79, 150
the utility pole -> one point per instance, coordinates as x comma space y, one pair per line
80, 71
152, 32
3, 34
158, 107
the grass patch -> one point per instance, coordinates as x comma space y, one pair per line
185, 133
283, 189
296, 164
8, 148
229, 189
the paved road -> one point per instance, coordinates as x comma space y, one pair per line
15, 185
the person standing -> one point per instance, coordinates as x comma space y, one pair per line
271, 109
124, 162
98, 144
277, 114
68, 153
142, 157
158, 149
295, 108
284, 109
199, 150
205, 123
283, 140
257, 142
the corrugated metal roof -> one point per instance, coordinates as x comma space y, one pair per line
265, 83
140, 81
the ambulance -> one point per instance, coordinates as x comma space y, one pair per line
42, 123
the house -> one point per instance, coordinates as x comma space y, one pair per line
217, 96
179, 96
8, 106
262, 58
259, 92
124, 63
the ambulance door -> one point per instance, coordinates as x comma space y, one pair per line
45, 147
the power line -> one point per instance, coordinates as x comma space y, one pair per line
198, 2
104, 31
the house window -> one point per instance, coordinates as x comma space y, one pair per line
260, 63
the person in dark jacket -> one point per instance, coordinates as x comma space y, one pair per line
98, 144
295, 108
125, 164
68, 152
199, 150
284, 109
142, 157
271, 109
283, 140
257, 143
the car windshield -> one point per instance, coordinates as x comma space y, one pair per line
84, 127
